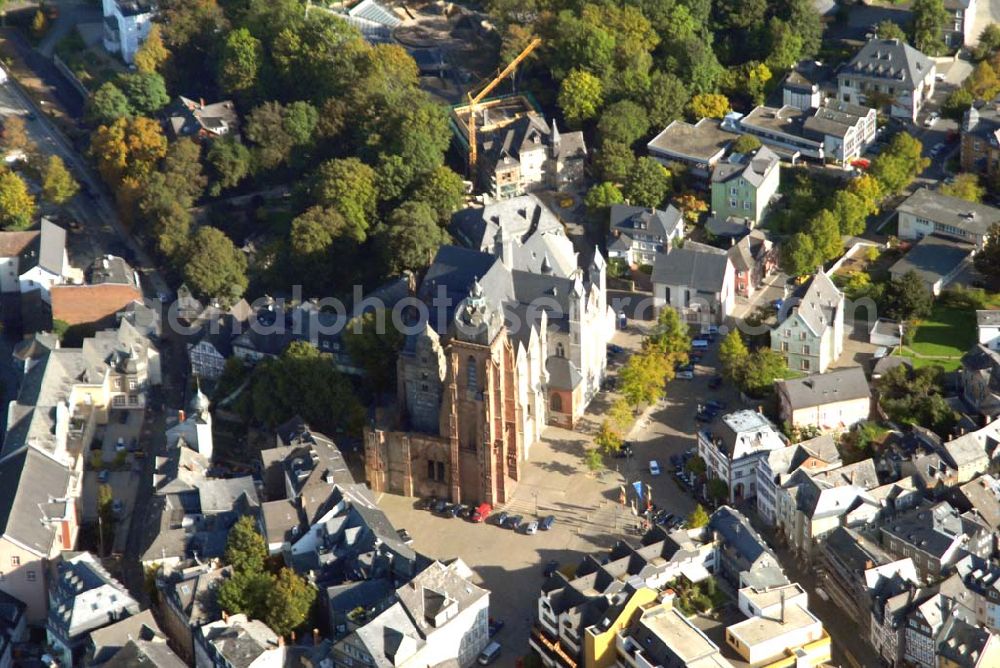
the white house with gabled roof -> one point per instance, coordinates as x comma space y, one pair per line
811, 334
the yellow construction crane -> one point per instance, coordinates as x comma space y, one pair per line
474, 101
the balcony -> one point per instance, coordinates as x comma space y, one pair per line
550, 649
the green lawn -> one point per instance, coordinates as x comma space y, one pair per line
947, 332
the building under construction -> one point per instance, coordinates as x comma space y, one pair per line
518, 151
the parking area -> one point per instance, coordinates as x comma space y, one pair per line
588, 515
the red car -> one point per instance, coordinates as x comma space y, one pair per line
481, 512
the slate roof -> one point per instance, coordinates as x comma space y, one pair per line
889, 59
84, 597
935, 206
240, 641
753, 169
520, 217
454, 269
854, 551
110, 640
563, 374
52, 247
188, 117
152, 653
626, 219
826, 388
696, 266
982, 495
29, 480
820, 303
734, 530
988, 318
934, 529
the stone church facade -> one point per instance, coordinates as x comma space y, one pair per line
475, 392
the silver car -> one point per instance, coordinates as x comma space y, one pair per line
531, 528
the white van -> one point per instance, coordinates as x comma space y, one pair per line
700, 344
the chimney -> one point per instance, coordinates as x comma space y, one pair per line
201, 101
225, 616
281, 641
180, 416
293, 637
782, 606
315, 637
869, 564
760, 409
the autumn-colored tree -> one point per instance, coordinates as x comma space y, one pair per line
709, 105
58, 184
17, 206
153, 53
15, 135
129, 147
608, 439
691, 206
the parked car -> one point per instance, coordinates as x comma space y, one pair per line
937, 148
699, 343
550, 568
654, 467
703, 416
502, 518
614, 349
931, 119
624, 451
120, 445
531, 528
117, 507
103, 475
440, 507
710, 330
490, 654
481, 512
716, 405
685, 374
427, 503
547, 522
459, 510
404, 536
514, 522
496, 626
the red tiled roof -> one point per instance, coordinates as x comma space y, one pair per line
13, 244
77, 304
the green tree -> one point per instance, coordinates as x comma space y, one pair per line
246, 549
145, 91
288, 602
642, 379
593, 459
888, 29
907, 297
709, 105
929, 19
152, 54
230, 162
733, 355
799, 255
607, 438
276, 130
647, 183
869, 190
621, 415
786, 46
245, 593
957, 103
214, 267
718, 490
443, 190
696, 465
763, 367
58, 184
107, 104
17, 206
299, 120
987, 260
989, 42
600, 198
349, 186
965, 186
757, 75
666, 99
412, 237
302, 381
746, 144
624, 121
580, 44
182, 172
240, 62
899, 163
824, 229
375, 348
669, 337
699, 67
614, 160
698, 518
580, 97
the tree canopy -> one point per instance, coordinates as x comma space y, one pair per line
214, 267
